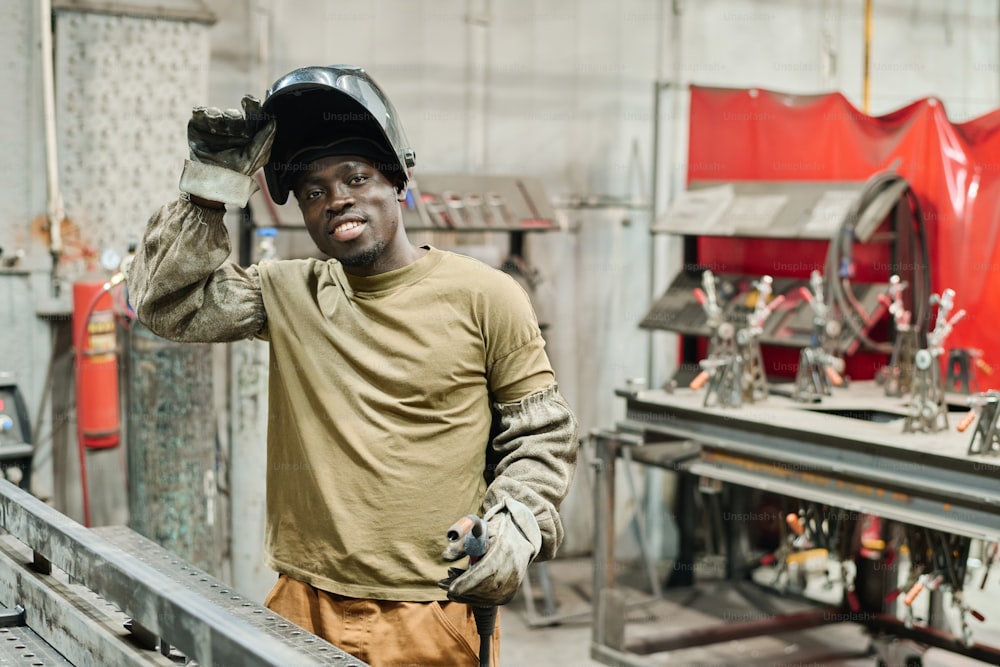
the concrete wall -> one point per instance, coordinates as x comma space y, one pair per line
562, 90
121, 90
22, 199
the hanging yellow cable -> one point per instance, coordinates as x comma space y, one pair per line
866, 90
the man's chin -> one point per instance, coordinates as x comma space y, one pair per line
363, 258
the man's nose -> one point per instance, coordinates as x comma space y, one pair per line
339, 199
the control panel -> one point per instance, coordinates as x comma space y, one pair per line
15, 437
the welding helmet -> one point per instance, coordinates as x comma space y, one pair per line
330, 110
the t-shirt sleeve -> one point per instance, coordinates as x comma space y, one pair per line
516, 362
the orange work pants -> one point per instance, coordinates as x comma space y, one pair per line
385, 633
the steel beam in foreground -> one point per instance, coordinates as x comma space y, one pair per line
203, 630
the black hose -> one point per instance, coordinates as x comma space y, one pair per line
921, 297
838, 286
486, 622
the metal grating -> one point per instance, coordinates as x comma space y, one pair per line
21, 646
222, 595
197, 626
80, 625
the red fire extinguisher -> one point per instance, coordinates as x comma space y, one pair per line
95, 339
96, 342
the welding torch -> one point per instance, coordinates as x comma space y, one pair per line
469, 537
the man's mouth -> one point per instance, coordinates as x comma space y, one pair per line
347, 230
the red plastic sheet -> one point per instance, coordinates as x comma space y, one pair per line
953, 168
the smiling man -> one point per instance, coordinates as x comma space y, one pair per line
351, 211
408, 386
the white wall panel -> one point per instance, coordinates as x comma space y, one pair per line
22, 193
935, 47
124, 87
919, 48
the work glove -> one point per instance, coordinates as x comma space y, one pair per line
227, 148
514, 541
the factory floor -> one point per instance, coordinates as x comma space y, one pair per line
568, 643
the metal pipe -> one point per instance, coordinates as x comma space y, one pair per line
645, 541
866, 90
675, 128
650, 348
673, 640
604, 490
55, 211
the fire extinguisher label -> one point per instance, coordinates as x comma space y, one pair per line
101, 339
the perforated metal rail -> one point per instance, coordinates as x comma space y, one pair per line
223, 596
106, 575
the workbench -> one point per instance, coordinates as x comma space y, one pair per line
847, 451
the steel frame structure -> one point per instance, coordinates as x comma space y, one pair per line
109, 579
813, 453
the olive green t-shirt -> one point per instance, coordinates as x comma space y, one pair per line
380, 392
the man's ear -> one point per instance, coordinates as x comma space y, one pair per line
400, 193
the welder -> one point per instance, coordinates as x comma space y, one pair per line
408, 385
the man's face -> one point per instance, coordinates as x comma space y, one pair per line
352, 213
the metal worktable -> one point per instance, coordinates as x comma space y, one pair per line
848, 451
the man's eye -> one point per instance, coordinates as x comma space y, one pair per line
313, 194
358, 179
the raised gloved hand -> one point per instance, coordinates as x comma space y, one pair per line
227, 147
514, 539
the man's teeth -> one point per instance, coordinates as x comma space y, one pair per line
347, 225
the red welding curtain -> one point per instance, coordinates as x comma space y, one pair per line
954, 169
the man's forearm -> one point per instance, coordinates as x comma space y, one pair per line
181, 285
537, 441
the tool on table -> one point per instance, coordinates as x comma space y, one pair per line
474, 208
469, 537
713, 318
748, 340
499, 211
458, 213
898, 375
991, 556
985, 438
928, 411
438, 211
819, 369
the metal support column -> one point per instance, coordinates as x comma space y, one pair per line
172, 490
609, 612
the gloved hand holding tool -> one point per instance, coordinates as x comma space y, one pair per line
500, 547
227, 148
